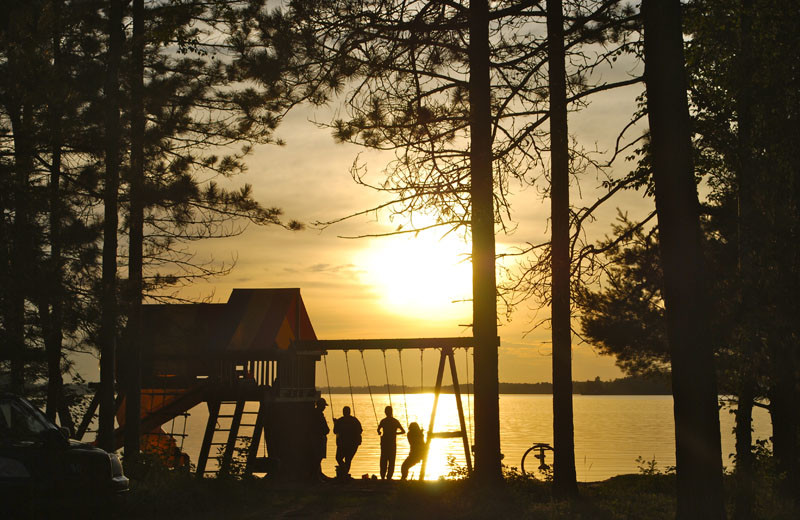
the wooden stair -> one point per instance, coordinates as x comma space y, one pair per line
225, 421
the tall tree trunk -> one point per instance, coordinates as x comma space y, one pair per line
23, 166
744, 452
108, 297
745, 492
785, 424
484, 304
133, 358
697, 439
54, 294
564, 479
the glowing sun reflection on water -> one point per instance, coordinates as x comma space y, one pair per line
414, 408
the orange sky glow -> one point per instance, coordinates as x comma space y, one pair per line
398, 286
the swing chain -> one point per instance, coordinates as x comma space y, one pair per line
403, 382
386, 371
421, 365
369, 387
350, 382
328, 381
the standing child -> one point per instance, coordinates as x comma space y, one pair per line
389, 428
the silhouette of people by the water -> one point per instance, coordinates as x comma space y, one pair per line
348, 437
320, 432
416, 452
389, 428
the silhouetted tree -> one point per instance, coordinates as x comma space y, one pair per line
136, 237
564, 478
484, 287
54, 83
406, 73
195, 108
697, 436
108, 295
747, 123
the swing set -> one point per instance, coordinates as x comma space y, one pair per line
446, 346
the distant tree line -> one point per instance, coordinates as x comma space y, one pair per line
631, 385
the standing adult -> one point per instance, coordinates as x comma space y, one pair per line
320, 432
348, 437
389, 428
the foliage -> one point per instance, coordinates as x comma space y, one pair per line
236, 470
455, 471
203, 117
400, 71
625, 317
743, 121
650, 467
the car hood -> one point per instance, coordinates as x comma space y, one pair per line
82, 446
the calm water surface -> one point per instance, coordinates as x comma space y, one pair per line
610, 431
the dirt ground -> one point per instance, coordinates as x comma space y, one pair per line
629, 496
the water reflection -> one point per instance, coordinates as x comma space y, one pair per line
610, 431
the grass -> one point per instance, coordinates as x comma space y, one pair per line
631, 496
169, 495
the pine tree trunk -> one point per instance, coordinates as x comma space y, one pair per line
783, 400
744, 453
23, 166
133, 357
108, 297
697, 437
484, 304
55, 291
745, 491
564, 479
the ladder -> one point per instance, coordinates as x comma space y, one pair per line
447, 355
225, 421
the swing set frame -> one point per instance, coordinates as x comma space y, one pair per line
447, 358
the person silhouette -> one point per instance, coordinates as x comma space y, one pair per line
416, 452
389, 428
348, 437
320, 432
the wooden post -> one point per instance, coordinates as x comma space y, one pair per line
88, 416
460, 408
202, 459
255, 440
436, 391
230, 446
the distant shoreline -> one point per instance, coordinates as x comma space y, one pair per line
622, 386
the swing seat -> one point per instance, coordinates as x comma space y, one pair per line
263, 465
447, 435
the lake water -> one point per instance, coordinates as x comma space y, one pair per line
610, 431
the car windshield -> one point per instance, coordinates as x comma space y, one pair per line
19, 421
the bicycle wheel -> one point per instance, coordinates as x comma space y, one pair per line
522, 462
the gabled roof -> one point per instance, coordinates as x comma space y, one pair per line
253, 320
264, 318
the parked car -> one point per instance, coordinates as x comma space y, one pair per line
40, 467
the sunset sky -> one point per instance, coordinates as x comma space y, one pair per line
400, 286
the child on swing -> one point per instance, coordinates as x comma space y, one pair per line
416, 443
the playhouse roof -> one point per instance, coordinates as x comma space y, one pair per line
252, 321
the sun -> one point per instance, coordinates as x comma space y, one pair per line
423, 277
